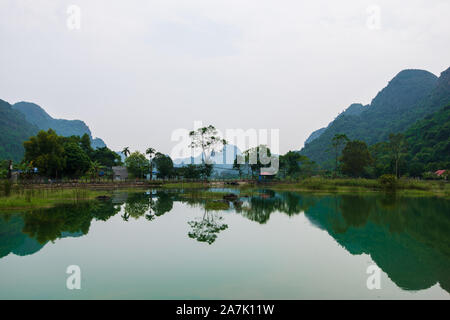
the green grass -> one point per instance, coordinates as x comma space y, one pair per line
23, 198
185, 185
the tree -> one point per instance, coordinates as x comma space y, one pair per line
338, 142
77, 162
294, 164
164, 164
207, 140
46, 152
398, 147
257, 158
191, 171
86, 144
151, 152
137, 164
238, 164
94, 169
106, 157
355, 157
126, 151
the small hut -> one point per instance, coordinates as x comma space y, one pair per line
266, 174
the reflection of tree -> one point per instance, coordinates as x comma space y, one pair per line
207, 228
144, 204
164, 203
49, 224
260, 207
137, 205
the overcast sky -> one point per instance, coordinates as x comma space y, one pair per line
137, 70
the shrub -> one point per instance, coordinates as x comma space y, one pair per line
388, 181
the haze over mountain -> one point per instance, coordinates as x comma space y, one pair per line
409, 96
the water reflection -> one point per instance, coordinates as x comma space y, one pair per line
408, 238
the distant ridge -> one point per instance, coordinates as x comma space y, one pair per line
40, 118
408, 97
22, 120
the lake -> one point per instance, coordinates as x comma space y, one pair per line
267, 245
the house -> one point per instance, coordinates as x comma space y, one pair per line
266, 174
439, 173
120, 173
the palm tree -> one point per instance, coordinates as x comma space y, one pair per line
95, 167
151, 152
126, 151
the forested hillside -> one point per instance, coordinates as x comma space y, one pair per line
14, 129
429, 141
409, 96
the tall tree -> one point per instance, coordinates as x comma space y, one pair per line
338, 142
151, 152
398, 147
355, 157
164, 164
207, 140
77, 162
46, 152
238, 164
137, 164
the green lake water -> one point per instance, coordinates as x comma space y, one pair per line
271, 245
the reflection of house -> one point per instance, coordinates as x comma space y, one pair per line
120, 173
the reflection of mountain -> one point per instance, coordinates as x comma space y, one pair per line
13, 240
406, 237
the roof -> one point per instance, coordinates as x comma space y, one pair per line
440, 172
267, 172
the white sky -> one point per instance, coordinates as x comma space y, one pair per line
137, 70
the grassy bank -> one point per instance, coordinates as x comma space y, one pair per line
440, 188
34, 198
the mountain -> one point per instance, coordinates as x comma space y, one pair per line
353, 110
14, 129
41, 119
315, 135
408, 97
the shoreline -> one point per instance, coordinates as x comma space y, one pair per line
33, 196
